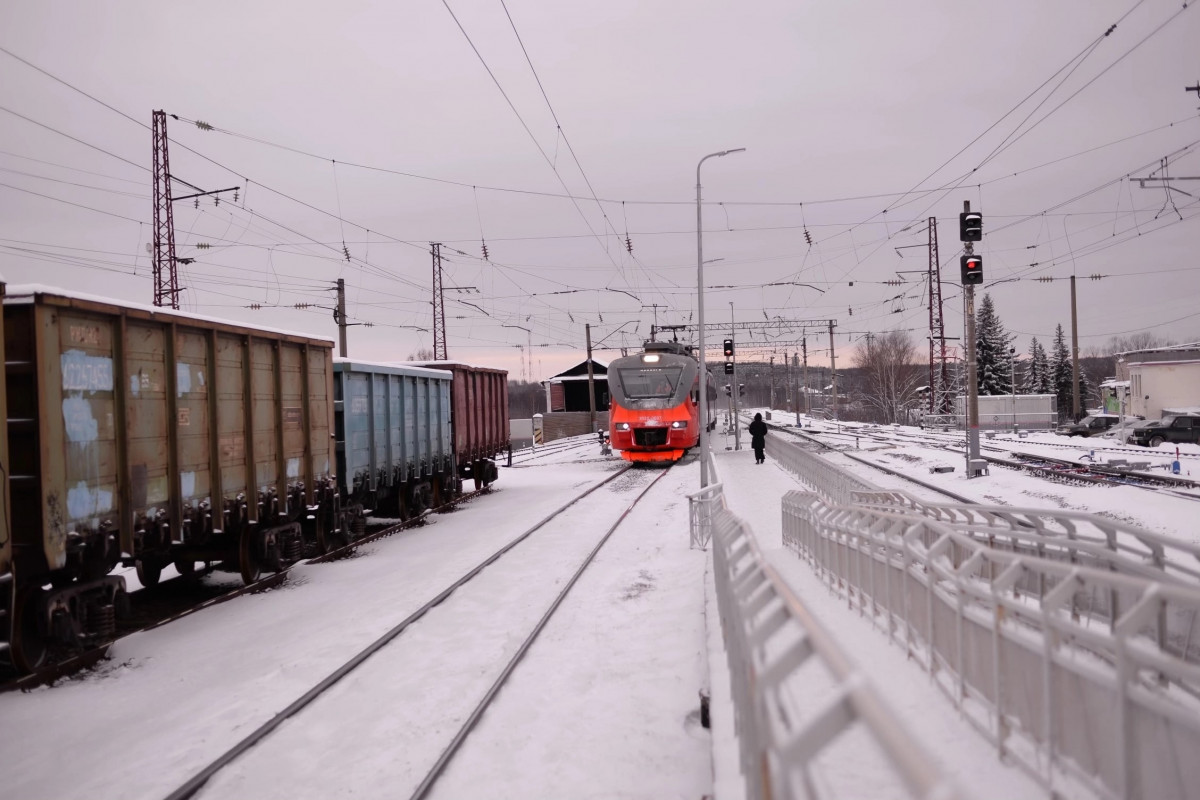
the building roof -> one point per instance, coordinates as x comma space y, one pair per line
599, 368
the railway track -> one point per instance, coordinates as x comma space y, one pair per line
153, 608
1052, 469
560, 528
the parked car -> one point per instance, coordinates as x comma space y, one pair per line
1173, 428
1091, 425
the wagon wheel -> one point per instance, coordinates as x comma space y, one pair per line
247, 560
148, 572
186, 567
28, 647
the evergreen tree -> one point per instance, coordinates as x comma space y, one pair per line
1060, 373
1037, 373
993, 361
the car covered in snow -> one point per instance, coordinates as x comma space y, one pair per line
1171, 428
1091, 425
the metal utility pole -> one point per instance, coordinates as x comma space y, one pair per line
833, 371
733, 388
938, 373
591, 381
972, 453
804, 349
166, 281
439, 307
1075, 415
341, 316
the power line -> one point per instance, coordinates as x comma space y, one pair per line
68, 202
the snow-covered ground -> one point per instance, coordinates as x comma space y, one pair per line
614, 678
604, 705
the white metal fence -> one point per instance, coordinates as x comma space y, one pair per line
769, 639
1021, 639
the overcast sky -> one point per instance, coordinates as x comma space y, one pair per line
376, 125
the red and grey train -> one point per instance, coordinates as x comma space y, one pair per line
655, 410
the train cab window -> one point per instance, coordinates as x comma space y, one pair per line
646, 383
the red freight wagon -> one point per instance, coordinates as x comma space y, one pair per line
479, 400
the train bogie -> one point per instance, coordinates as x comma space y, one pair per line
394, 447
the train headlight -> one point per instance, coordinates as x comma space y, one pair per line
650, 358
622, 426
679, 423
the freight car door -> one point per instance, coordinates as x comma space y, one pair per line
192, 387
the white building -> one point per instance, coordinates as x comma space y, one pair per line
1163, 377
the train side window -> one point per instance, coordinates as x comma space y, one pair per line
696, 396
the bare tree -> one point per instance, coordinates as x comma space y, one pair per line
1142, 340
890, 374
422, 354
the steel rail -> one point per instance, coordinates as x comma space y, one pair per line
444, 759
197, 781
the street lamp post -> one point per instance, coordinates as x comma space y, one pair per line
1012, 377
704, 432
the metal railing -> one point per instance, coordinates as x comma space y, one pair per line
1012, 638
828, 479
782, 719
1066, 535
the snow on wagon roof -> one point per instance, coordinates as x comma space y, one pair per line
31, 289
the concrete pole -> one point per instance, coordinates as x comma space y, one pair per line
972, 380
833, 371
772, 377
591, 381
1075, 405
804, 346
341, 307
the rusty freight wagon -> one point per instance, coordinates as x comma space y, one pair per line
479, 397
149, 437
392, 428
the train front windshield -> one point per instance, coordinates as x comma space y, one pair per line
650, 383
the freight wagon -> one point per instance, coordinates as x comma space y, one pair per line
394, 449
146, 437
479, 398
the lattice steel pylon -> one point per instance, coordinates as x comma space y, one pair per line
439, 306
166, 280
939, 376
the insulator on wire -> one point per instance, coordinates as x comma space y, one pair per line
628, 244
346, 251
203, 245
216, 199
254, 306
808, 237
196, 203
850, 311
235, 195
485, 250
204, 126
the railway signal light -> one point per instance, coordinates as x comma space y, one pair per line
728, 367
970, 226
728, 348
972, 270
727, 389
741, 389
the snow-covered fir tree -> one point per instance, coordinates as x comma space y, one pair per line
993, 362
1037, 377
1060, 372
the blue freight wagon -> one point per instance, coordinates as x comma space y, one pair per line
395, 454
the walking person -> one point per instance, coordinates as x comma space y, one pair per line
758, 438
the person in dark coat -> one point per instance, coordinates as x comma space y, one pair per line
758, 438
